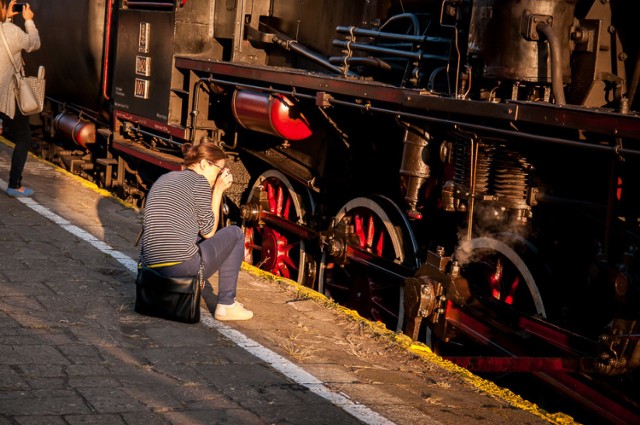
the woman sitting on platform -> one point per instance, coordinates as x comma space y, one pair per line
180, 222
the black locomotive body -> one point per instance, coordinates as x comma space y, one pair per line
461, 170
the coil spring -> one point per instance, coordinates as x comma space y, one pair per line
511, 177
500, 172
462, 167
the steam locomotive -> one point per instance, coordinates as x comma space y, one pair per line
464, 171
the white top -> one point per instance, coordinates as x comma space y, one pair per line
18, 41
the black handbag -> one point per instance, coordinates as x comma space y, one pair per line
172, 298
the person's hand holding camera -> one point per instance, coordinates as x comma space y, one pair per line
15, 8
27, 13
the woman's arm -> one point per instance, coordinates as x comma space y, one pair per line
223, 183
29, 40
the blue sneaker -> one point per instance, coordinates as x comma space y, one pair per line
18, 192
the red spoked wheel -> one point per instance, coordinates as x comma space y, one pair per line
272, 240
497, 271
500, 272
368, 281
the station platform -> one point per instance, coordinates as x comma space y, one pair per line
73, 351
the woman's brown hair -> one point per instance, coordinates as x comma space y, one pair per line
193, 154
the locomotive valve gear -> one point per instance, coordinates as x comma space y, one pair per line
619, 349
335, 247
419, 302
334, 242
438, 259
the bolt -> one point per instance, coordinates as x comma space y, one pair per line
455, 269
624, 105
622, 56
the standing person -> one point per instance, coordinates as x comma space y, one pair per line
18, 40
180, 221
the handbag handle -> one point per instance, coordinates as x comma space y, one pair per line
6, 45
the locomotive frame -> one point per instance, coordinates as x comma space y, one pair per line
461, 170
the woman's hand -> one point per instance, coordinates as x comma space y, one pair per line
10, 12
224, 181
27, 13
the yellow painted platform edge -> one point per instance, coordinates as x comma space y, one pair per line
419, 349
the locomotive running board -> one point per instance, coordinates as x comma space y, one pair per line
598, 120
163, 160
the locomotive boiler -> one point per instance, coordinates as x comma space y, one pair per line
464, 171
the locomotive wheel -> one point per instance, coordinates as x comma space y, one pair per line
497, 273
381, 232
496, 270
273, 248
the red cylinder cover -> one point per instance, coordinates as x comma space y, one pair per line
272, 114
75, 128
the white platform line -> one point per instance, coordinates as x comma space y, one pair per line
279, 363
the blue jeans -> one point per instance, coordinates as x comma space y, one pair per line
222, 253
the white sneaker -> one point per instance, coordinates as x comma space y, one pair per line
235, 311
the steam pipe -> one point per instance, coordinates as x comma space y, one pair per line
194, 109
148, 133
555, 51
107, 51
291, 44
634, 81
373, 62
390, 35
413, 18
419, 55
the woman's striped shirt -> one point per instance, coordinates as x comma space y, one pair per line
177, 210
